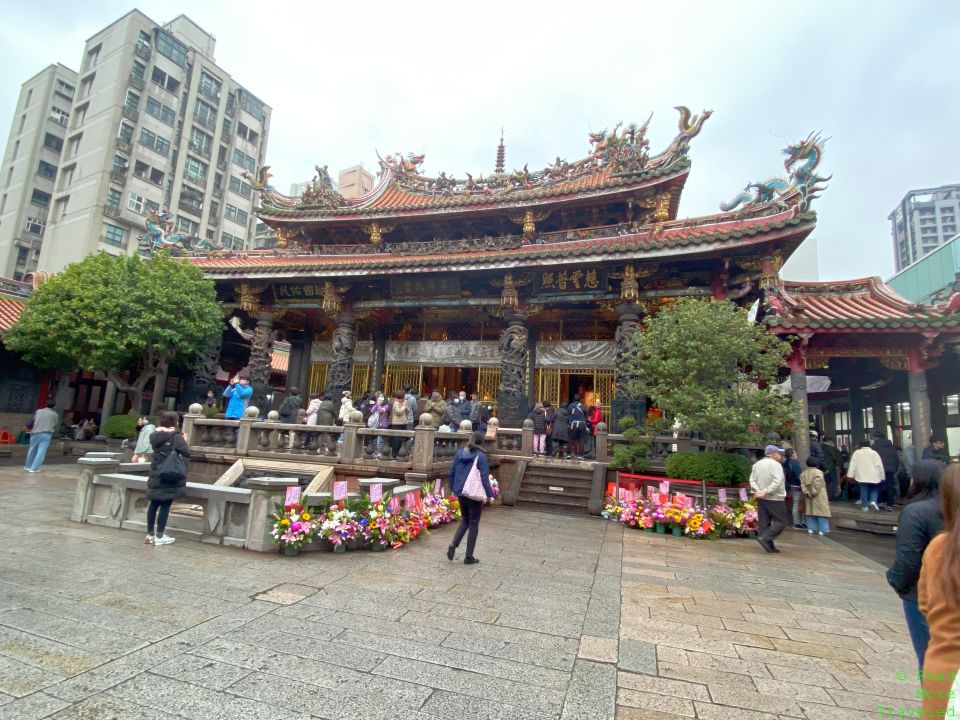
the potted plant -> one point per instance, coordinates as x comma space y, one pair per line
293, 526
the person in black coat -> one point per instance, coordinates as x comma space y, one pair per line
163, 490
470, 509
891, 463
561, 430
920, 520
539, 419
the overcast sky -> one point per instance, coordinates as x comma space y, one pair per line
344, 79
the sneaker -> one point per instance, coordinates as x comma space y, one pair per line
798, 526
820, 533
148, 540
866, 509
29, 470
450, 551
470, 561
874, 507
164, 540
811, 532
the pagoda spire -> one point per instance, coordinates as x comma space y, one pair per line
501, 156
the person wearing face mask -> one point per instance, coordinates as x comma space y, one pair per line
465, 406
379, 419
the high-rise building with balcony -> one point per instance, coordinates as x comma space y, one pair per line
923, 221
155, 125
30, 163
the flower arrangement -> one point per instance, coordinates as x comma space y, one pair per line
439, 509
494, 486
293, 525
734, 519
339, 525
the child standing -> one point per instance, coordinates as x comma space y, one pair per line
539, 419
815, 495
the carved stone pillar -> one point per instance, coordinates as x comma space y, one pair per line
379, 358
304, 376
512, 400
919, 410
627, 401
343, 342
260, 353
798, 393
205, 375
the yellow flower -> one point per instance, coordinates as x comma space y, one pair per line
285, 521
305, 516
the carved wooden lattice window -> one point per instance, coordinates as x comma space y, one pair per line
488, 385
398, 376
361, 381
318, 377
547, 383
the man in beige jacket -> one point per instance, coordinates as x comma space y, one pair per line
866, 468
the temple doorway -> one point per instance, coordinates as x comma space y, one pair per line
450, 379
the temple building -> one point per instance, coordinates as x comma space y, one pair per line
528, 286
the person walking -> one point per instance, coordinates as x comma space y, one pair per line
539, 419
143, 451
791, 472
239, 392
45, 422
163, 486
768, 484
919, 522
561, 431
815, 498
460, 469
866, 468
938, 592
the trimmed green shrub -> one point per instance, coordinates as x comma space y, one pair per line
120, 426
123, 427
718, 468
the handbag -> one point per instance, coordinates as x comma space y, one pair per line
172, 470
374, 420
473, 486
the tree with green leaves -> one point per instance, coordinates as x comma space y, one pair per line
705, 364
124, 316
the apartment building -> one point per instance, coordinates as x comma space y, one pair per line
30, 162
923, 221
156, 125
355, 182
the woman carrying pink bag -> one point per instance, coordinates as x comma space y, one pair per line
468, 481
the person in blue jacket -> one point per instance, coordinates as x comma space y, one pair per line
469, 509
239, 392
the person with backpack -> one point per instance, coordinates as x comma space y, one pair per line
578, 426
290, 407
469, 481
561, 431
168, 476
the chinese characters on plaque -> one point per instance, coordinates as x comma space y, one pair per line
558, 281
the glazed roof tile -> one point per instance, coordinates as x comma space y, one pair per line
863, 304
696, 235
10, 309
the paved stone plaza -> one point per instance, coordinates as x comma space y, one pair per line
563, 618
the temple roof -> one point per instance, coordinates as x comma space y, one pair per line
863, 304
10, 309
696, 236
617, 162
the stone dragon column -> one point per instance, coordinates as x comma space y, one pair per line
627, 400
260, 356
512, 400
343, 342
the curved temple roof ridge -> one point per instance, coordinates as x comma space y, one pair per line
614, 155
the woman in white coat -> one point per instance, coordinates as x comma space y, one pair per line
866, 468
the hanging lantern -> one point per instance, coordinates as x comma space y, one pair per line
331, 299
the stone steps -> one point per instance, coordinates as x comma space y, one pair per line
554, 487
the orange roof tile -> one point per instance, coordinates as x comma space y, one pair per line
10, 309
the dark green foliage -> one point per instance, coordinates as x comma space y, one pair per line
120, 426
118, 314
632, 454
715, 467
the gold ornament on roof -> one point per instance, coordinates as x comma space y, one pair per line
331, 298
376, 231
250, 297
528, 220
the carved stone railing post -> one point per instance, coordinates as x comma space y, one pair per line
626, 402
243, 434
260, 355
89, 466
264, 493
352, 441
342, 344
602, 449
512, 400
195, 411
423, 437
526, 438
